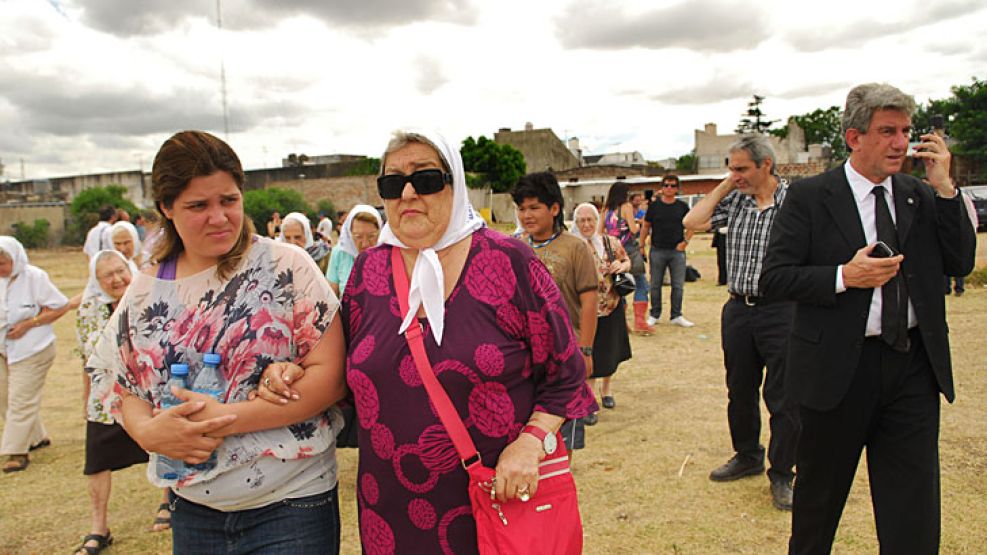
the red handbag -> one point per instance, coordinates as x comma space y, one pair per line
549, 522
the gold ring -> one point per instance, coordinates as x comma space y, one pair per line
267, 383
523, 494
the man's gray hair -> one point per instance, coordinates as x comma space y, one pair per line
864, 100
759, 148
401, 138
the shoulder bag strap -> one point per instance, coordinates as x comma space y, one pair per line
447, 412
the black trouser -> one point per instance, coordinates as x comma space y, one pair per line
755, 338
892, 408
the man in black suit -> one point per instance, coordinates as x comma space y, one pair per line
868, 353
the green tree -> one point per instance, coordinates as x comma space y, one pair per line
687, 162
824, 126
969, 120
500, 166
367, 166
754, 120
32, 236
922, 119
259, 204
84, 210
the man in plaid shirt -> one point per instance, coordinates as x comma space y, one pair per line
754, 328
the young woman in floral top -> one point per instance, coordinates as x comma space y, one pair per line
218, 288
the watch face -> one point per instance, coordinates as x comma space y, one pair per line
551, 443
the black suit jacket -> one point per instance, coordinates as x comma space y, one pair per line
817, 229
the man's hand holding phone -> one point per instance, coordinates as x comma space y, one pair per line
871, 266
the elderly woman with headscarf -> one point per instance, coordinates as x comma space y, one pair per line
611, 345
108, 447
127, 242
297, 230
496, 332
359, 232
29, 303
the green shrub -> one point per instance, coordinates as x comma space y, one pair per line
259, 204
33, 236
978, 277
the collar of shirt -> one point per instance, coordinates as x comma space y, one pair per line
777, 198
862, 187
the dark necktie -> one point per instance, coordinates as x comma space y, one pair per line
894, 294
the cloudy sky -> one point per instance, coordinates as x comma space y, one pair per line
96, 85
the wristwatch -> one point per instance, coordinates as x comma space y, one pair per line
548, 441
588, 351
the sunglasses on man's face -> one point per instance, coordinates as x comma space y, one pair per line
425, 182
672, 185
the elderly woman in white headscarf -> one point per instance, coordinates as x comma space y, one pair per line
297, 230
29, 303
496, 332
611, 345
359, 232
108, 447
127, 242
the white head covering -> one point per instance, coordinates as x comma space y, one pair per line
93, 288
133, 234
346, 242
15, 250
306, 227
596, 239
427, 279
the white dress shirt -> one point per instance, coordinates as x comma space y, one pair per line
861, 188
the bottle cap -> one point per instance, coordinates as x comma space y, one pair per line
179, 369
211, 358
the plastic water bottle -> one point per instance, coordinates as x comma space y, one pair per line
168, 468
209, 381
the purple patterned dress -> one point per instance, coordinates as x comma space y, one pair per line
508, 349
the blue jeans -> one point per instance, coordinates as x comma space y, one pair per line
301, 526
641, 286
674, 260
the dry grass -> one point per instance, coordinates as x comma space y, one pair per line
671, 407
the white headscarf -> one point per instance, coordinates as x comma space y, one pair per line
18, 258
93, 288
596, 239
133, 234
427, 279
306, 227
346, 242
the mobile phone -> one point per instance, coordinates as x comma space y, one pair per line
881, 250
938, 121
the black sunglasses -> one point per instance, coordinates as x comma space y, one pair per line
425, 182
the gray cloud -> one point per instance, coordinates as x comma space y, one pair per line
703, 25
812, 89
430, 75
45, 105
120, 17
715, 90
852, 35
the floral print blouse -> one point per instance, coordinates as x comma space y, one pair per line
90, 320
274, 308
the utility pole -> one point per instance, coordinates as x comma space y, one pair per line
222, 70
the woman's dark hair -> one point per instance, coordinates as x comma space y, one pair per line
183, 157
616, 196
544, 187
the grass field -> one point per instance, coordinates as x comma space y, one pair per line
643, 478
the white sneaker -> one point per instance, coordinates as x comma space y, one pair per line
652, 321
682, 322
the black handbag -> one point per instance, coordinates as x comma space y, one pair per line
623, 283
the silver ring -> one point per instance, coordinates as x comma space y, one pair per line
267, 383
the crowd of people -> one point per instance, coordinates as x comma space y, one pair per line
222, 359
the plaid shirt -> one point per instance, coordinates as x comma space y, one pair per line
748, 229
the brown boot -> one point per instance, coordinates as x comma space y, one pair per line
641, 326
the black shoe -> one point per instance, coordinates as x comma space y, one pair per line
591, 420
736, 468
609, 402
782, 494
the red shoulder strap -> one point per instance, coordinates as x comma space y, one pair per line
447, 412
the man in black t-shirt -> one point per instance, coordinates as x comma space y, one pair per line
668, 241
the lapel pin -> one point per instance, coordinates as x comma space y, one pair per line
910, 200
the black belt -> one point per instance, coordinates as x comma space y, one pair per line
751, 300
